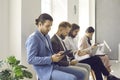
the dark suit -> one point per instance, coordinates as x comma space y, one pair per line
57, 46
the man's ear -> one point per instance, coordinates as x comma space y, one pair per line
60, 29
40, 23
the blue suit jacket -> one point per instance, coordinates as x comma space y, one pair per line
39, 54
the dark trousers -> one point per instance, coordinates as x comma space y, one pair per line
97, 66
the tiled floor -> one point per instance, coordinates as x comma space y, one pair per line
115, 68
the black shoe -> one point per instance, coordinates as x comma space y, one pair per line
111, 77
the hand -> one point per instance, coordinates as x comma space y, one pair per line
73, 62
57, 57
94, 45
81, 52
75, 52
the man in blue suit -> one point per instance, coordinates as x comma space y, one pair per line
42, 57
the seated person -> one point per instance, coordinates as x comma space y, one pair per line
94, 61
42, 57
58, 45
85, 44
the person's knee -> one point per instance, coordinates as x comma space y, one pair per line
86, 75
83, 75
88, 68
72, 77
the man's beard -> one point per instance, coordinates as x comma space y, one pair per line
73, 36
62, 37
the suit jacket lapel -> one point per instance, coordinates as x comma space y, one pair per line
56, 38
44, 40
49, 43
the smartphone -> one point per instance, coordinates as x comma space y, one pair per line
66, 52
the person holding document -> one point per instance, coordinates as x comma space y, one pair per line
94, 61
68, 60
85, 44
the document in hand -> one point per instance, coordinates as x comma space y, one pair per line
103, 48
79, 58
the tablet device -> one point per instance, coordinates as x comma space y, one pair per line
66, 52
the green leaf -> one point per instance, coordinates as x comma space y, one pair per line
11, 60
27, 74
14, 71
17, 62
22, 66
5, 74
1, 63
18, 71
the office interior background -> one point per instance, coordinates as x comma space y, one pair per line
17, 21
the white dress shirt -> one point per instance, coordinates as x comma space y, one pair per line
71, 43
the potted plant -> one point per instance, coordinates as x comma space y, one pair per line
12, 70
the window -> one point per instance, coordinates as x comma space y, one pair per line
57, 9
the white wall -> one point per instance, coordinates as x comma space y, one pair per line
73, 11
17, 21
10, 24
108, 24
15, 28
86, 15
83, 15
92, 13
31, 9
4, 29
59, 14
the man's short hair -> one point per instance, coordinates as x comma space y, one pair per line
65, 24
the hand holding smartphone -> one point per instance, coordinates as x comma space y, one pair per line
66, 52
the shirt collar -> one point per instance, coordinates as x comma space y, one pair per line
58, 37
41, 33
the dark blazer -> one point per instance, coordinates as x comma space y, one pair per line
57, 46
